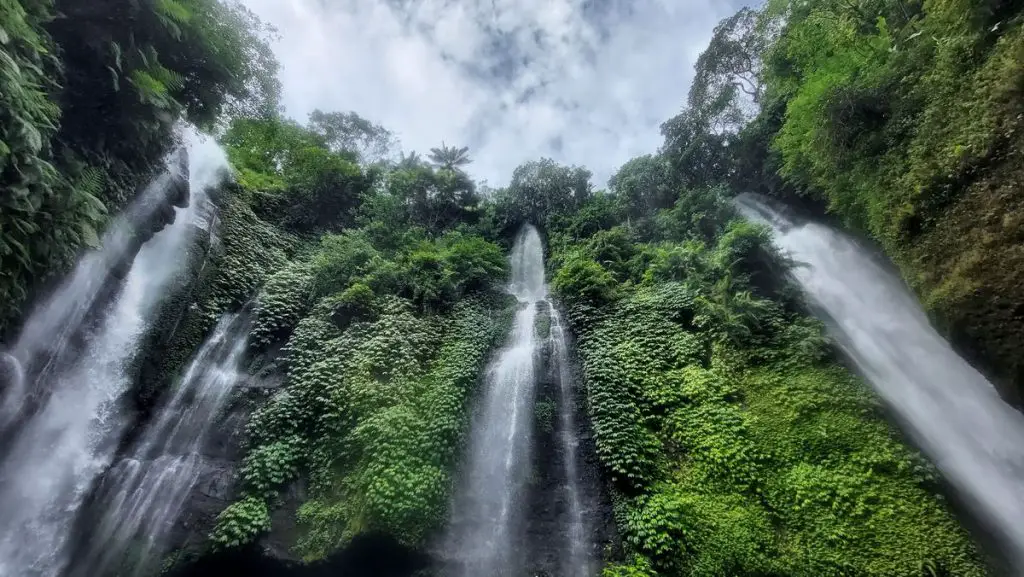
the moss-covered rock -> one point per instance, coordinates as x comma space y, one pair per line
372, 417
735, 446
969, 270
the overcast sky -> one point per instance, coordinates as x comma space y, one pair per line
585, 82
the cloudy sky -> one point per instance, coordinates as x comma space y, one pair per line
582, 81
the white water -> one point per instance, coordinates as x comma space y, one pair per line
485, 536
45, 335
144, 493
55, 454
578, 561
952, 411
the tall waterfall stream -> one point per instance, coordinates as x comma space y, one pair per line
64, 415
487, 534
949, 408
144, 493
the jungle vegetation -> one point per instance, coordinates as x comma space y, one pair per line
732, 440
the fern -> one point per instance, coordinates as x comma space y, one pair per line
173, 10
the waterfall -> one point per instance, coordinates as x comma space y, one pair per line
578, 562
485, 535
60, 445
143, 495
949, 408
43, 343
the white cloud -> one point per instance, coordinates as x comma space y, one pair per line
582, 81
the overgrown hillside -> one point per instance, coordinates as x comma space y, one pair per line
89, 97
377, 302
731, 437
733, 441
905, 119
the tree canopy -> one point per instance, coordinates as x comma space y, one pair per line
450, 157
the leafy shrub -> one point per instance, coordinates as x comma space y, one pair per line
580, 278
356, 303
634, 566
341, 258
282, 302
733, 446
544, 414
692, 533
324, 190
241, 522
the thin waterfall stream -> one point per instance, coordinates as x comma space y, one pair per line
578, 561
143, 494
489, 516
949, 408
485, 536
68, 435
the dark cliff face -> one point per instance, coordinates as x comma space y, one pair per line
546, 505
368, 555
152, 213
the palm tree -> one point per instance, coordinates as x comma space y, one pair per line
450, 157
412, 160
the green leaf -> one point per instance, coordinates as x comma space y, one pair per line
89, 236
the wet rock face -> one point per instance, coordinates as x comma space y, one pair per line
547, 499
217, 483
215, 486
368, 555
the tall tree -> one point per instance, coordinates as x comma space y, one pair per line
411, 160
540, 192
347, 132
450, 157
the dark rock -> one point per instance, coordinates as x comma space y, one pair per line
284, 533
547, 501
179, 192
217, 480
368, 555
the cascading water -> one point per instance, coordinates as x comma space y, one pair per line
485, 535
43, 343
143, 495
58, 449
578, 562
952, 411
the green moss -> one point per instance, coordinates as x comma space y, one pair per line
373, 416
969, 269
749, 453
913, 131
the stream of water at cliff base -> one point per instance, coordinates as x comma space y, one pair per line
55, 454
954, 414
578, 561
142, 495
485, 537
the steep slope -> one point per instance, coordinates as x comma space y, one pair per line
902, 119
735, 444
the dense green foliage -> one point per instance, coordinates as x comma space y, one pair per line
733, 442
385, 328
90, 93
372, 414
904, 119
